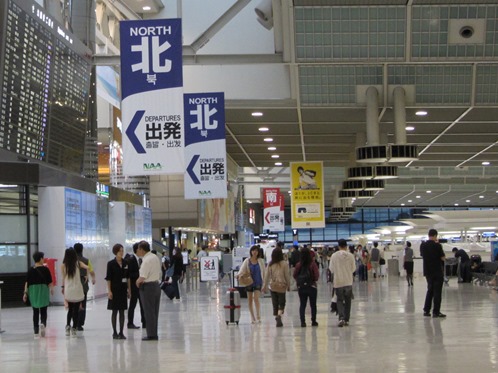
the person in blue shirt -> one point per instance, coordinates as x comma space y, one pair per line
256, 266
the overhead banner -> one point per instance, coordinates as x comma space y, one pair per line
152, 97
205, 146
272, 205
307, 198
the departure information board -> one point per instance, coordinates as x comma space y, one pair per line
45, 75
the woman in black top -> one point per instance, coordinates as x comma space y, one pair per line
177, 261
118, 289
38, 288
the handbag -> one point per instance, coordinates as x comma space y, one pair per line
245, 279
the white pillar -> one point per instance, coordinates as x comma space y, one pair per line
399, 116
372, 117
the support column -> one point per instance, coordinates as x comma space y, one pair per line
372, 117
399, 116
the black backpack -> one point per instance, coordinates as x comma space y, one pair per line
304, 278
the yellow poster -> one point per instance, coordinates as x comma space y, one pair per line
307, 201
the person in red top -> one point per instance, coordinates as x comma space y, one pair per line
306, 274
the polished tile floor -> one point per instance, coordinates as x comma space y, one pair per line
387, 333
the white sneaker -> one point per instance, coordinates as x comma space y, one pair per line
42, 330
68, 330
74, 333
37, 336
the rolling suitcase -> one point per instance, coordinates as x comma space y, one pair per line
232, 307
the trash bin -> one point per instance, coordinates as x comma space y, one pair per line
50, 263
393, 267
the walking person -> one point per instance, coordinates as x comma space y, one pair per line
375, 260
78, 247
37, 289
178, 271
150, 292
342, 265
256, 267
433, 257
306, 274
277, 277
118, 289
133, 273
408, 263
72, 288
364, 260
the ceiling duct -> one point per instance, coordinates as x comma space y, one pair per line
399, 152
357, 185
372, 172
360, 194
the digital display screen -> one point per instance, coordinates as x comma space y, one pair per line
45, 75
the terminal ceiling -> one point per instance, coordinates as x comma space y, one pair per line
336, 52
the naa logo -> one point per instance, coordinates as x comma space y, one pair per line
204, 192
152, 166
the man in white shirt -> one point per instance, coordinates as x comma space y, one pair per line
150, 292
342, 265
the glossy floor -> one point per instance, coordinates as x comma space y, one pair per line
387, 333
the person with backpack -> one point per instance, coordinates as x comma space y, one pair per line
306, 274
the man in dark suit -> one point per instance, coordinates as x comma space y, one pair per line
133, 270
433, 256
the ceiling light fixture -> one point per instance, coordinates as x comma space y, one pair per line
456, 204
272, 148
409, 201
428, 191
257, 114
410, 128
263, 129
421, 113
268, 139
467, 200
278, 163
275, 156
481, 197
146, 8
417, 196
485, 163
402, 204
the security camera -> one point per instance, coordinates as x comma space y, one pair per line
264, 12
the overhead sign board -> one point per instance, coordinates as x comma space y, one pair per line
152, 102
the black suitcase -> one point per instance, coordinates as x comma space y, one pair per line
168, 289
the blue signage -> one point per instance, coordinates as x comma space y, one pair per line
151, 55
204, 117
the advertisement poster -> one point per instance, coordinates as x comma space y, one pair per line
205, 147
152, 97
307, 198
